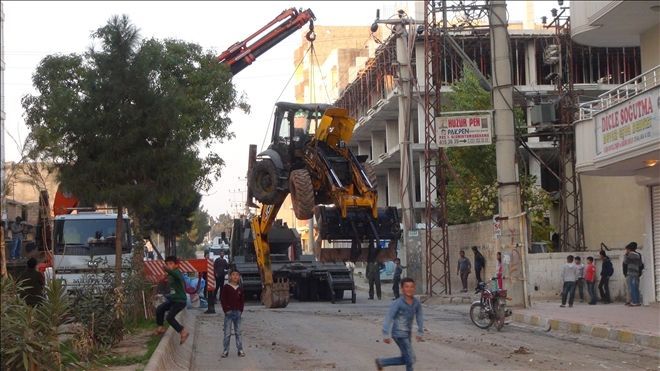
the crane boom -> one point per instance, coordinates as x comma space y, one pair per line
241, 55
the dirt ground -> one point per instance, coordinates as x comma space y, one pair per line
313, 336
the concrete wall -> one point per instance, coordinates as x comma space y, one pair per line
613, 211
463, 237
545, 274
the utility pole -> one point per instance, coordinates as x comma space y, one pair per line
510, 241
412, 248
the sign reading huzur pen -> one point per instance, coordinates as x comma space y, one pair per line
458, 129
628, 125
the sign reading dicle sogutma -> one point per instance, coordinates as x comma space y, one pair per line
464, 129
628, 125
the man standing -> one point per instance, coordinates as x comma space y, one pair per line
396, 278
568, 276
463, 269
590, 277
632, 261
606, 272
17, 229
33, 284
479, 263
220, 267
373, 275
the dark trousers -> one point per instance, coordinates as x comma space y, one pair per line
568, 293
591, 288
464, 279
374, 280
604, 288
579, 284
172, 308
477, 271
395, 287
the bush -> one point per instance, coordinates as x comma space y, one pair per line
31, 336
97, 305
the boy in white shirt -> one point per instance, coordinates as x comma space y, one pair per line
569, 277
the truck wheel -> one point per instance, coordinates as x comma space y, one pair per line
263, 182
302, 194
371, 173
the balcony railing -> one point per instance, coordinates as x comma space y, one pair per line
625, 91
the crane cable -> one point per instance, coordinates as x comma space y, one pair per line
263, 142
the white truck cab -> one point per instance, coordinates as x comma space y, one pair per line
84, 243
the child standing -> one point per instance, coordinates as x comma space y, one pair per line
232, 300
399, 320
579, 283
590, 277
568, 276
176, 300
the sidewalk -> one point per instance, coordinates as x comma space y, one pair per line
635, 325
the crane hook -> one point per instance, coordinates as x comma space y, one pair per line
311, 35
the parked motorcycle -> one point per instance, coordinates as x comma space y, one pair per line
490, 308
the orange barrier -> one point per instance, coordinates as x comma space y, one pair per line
155, 272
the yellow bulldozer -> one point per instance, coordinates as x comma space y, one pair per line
309, 158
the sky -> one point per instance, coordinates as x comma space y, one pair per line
33, 30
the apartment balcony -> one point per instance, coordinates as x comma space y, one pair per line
618, 134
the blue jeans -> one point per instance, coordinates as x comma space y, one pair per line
232, 317
633, 288
591, 287
407, 355
568, 292
16, 249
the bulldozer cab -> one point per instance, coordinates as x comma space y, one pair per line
295, 124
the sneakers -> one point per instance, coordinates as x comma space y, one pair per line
241, 353
225, 354
562, 306
378, 365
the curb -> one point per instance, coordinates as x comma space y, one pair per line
169, 354
446, 299
598, 331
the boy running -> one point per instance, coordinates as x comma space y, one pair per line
399, 320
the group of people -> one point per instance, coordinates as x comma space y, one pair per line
464, 268
231, 299
574, 275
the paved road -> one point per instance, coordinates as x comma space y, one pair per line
347, 336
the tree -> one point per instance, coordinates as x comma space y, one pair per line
195, 236
112, 117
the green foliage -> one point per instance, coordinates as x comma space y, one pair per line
31, 336
474, 195
95, 307
124, 122
189, 242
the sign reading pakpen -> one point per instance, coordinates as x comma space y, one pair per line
464, 129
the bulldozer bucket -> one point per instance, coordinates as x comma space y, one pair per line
276, 295
336, 237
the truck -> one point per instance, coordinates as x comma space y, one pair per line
309, 279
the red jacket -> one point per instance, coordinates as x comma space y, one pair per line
590, 273
232, 298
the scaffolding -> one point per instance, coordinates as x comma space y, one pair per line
571, 233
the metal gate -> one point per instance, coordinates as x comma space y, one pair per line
655, 215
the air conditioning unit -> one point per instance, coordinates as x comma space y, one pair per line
544, 113
551, 54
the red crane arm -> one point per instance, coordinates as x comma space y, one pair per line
241, 55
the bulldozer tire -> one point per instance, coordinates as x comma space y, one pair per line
371, 173
263, 182
302, 194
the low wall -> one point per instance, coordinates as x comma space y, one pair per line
544, 274
170, 355
463, 237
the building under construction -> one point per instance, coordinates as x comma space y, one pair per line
535, 53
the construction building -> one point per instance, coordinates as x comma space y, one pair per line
618, 133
